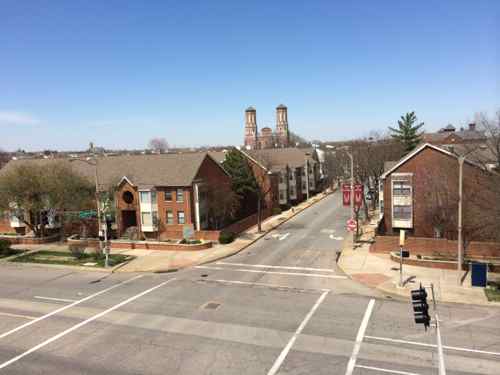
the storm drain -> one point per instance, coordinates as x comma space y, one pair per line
211, 306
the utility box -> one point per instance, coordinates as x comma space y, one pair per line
479, 274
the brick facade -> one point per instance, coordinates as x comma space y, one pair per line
433, 176
435, 246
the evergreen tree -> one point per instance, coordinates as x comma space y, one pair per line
244, 182
408, 132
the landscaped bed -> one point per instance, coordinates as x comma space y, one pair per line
69, 259
492, 291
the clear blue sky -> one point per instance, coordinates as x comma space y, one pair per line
119, 72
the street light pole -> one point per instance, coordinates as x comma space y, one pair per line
352, 194
307, 177
99, 211
460, 249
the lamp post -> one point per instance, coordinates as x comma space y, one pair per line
351, 158
460, 249
460, 245
307, 174
99, 211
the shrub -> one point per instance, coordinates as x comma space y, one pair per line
226, 237
98, 255
5, 247
276, 211
77, 250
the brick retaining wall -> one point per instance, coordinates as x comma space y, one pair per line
21, 240
150, 245
434, 246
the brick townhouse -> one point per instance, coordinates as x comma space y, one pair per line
159, 194
419, 194
289, 165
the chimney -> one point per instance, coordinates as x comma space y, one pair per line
472, 126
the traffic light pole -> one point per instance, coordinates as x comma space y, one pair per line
442, 367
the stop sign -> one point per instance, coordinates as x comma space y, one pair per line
351, 224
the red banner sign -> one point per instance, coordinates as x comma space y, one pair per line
346, 194
358, 195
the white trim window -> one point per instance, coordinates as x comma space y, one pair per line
145, 197
181, 217
179, 195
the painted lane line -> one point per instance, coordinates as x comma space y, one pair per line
386, 370
263, 284
277, 267
453, 348
272, 272
68, 306
81, 324
332, 237
279, 361
55, 299
18, 316
284, 237
359, 337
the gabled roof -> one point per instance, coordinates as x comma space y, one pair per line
276, 159
416, 152
140, 170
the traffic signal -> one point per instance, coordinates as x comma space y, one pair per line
420, 306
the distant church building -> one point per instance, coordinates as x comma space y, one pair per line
266, 138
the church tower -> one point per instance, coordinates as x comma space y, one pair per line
282, 132
251, 131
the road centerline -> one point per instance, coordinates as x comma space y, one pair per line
279, 361
359, 337
68, 306
81, 324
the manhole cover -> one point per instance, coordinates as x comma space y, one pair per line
211, 306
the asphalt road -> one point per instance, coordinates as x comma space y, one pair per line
280, 307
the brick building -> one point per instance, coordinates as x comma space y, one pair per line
266, 138
449, 135
419, 194
289, 165
159, 194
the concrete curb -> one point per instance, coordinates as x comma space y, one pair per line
68, 267
264, 233
404, 296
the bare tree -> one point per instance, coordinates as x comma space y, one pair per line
159, 145
481, 202
491, 127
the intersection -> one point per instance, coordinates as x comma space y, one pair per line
282, 306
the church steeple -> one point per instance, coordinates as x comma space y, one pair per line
251, 131
282, 132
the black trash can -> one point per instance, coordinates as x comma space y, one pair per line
479, 274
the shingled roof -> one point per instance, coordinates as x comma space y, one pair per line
278, 158
141, 170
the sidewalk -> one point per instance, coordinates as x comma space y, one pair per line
380, 272
166, 261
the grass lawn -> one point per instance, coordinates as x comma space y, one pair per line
68, 259
492, 291
11, 252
